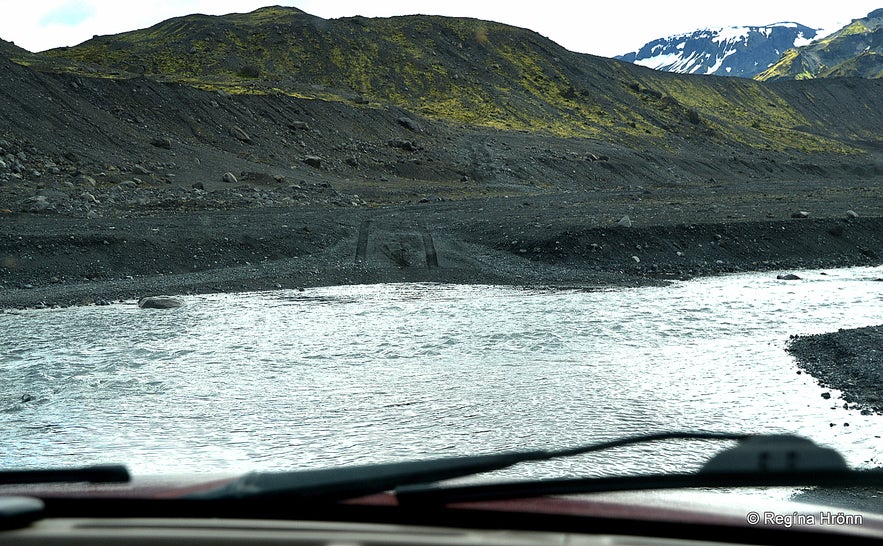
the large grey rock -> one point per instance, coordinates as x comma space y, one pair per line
405, 145
259, 178
85, 180
625, 221
313, 161
161, 142
409, 124
38, 203
159, 302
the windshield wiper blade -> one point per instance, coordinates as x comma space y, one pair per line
109, 473
433, 495
332, 485
436, 495
761, 461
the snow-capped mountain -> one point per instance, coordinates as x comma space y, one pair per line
732, 51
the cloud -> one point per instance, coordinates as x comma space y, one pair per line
69, 14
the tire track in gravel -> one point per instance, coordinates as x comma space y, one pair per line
385, 238
362, 241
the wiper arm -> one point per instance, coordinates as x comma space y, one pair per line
761, 461
331, 485
110, 473
434, 495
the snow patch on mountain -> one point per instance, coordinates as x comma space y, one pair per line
729, 51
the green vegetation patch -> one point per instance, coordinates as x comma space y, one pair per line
459, 70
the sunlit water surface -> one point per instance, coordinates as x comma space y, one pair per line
362, 374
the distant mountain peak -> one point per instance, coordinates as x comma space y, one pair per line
724, 51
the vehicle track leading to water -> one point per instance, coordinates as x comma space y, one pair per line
362, 241
429, 248
402, 246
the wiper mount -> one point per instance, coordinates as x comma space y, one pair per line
759, 461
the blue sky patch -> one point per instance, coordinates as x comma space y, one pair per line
69, 14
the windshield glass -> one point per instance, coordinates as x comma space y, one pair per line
310, 236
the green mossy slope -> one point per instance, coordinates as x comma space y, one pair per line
455, 69
853, 51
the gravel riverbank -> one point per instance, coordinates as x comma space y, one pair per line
49, 260
849, 360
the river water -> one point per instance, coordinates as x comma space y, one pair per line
378, 373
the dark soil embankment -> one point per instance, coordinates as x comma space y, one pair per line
61, 260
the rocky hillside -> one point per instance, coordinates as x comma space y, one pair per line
458, 70
733, 51
461, 70
853, 51
276, 149
306, 110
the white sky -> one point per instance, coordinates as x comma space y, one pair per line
607, 28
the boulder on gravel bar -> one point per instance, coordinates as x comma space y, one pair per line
159, 302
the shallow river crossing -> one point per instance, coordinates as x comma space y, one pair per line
361, 374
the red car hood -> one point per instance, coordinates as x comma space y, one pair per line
692, 507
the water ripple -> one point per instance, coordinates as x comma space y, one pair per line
360, 374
